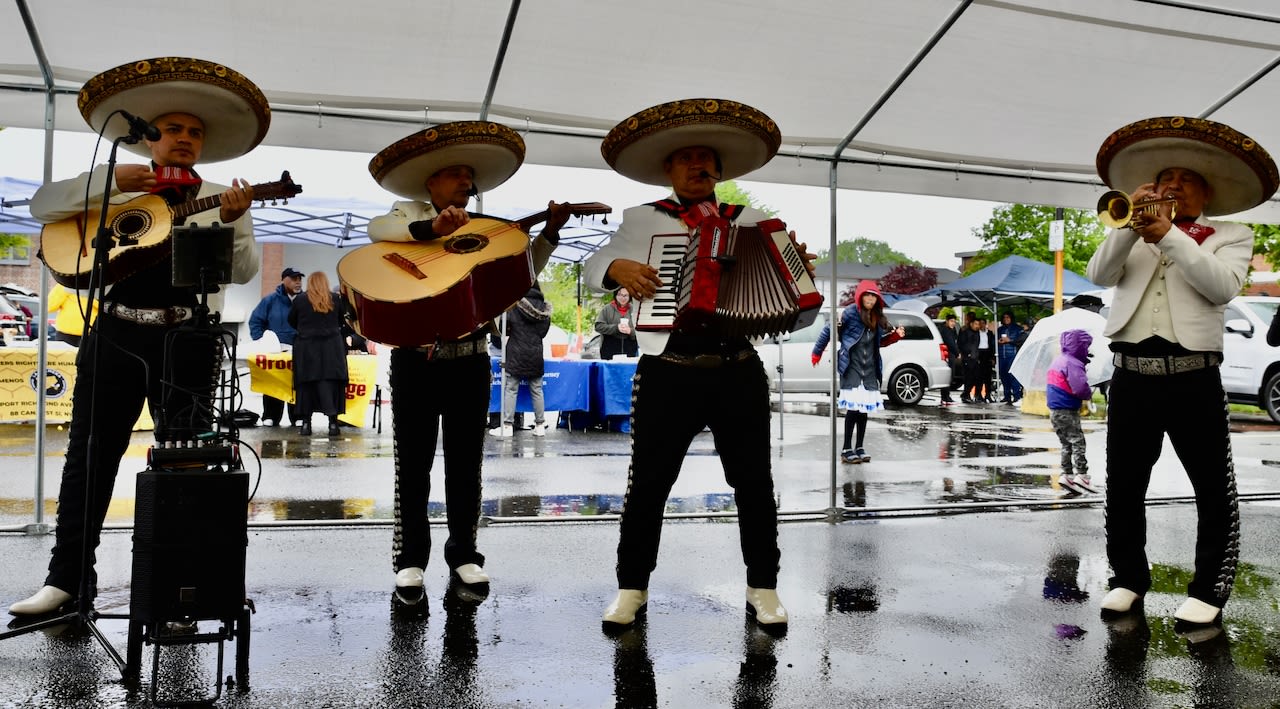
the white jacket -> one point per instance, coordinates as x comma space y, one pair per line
1200, 278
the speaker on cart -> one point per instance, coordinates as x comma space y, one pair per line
189, 542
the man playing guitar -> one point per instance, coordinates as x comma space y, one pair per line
444, 387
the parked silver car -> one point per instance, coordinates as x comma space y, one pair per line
912, 365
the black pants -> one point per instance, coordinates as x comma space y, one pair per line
426, 397
108, 398
273, 408
672, 403
1192, 409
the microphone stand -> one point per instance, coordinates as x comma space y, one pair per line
85, 615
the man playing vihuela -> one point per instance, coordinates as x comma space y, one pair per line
443, 388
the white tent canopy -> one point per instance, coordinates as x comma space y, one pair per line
1004, 100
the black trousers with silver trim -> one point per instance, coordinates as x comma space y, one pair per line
1191, 408
672, 403
430, 397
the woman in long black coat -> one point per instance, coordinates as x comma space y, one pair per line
528, 322
319, 354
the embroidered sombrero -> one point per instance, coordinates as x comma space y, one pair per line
744, 138
234, 111
1241, 174
493, 150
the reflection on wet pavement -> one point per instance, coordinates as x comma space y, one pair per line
921, 456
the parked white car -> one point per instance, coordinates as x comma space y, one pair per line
912, 365
1251, 367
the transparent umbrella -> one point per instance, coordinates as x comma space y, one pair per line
1042, 346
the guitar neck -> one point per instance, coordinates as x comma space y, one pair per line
576, 209
196, 206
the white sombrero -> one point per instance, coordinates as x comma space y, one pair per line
1241, 174
744, 138
234, 112
492, 150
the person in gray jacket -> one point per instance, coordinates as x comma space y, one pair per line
1174, 270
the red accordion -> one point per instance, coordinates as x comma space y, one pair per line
730, 280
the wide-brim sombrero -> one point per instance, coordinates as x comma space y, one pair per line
234, 111
1240, 173
743, 137
492, 150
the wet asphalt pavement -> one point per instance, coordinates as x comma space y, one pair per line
902, 605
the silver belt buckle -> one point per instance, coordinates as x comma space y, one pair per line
1154, 366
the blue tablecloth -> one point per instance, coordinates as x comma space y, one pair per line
566, 386
611, 388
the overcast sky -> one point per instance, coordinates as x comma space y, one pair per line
928, 229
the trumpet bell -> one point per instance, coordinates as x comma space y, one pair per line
1116, 209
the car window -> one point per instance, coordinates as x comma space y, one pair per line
809, 334
1231, 312
915, 326
1264, 309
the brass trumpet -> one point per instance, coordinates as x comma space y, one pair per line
1116, 210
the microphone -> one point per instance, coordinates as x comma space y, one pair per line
140, 127
473, 191
708, 175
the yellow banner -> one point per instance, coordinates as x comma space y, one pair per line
272, 374
19, 382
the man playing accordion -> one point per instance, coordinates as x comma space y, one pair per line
687, 381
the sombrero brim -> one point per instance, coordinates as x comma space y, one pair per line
234, 111
1240, 172
744, 138
492, 150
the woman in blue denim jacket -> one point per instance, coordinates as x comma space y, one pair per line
859, 364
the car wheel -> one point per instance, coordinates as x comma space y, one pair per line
1271, 397
906, 386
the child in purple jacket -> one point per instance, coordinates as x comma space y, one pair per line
1066, 390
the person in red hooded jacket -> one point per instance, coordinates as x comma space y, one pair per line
864, 329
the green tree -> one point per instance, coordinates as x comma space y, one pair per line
1266, 241
9, 240
1023, 229
864, 250
729, 191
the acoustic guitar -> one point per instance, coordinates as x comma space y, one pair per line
139, 232
416, 293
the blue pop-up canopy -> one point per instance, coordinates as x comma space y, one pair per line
1013, 279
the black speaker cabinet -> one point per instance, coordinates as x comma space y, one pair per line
189, 541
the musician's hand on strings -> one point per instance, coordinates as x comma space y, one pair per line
803, 250
449, 220
559, 215
236, 201
134, 178
640, 279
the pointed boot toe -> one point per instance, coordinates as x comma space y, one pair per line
627, 606
764, 605
1197, 612
47, 600
1119, 600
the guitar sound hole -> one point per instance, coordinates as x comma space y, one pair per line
465, 244
129, 225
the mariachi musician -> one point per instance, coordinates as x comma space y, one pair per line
444, 387
686, 382
204, 112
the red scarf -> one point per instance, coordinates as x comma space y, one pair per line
1199, 232
622, 309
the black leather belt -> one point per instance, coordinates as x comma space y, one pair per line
149, 316
707, 361
1169, 364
